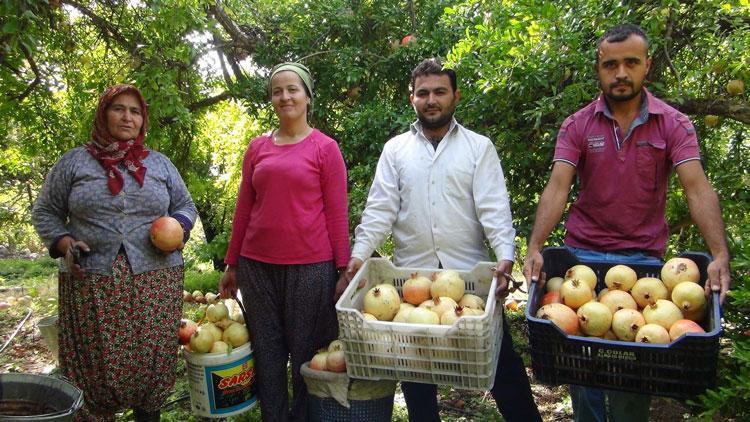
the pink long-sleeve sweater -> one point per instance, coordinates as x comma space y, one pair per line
292, 203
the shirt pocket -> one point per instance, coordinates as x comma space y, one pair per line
650, 160
458, 183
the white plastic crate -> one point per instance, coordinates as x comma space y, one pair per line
463, 355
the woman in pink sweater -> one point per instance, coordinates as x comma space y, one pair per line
290, 242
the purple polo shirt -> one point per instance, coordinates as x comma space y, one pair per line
623, 177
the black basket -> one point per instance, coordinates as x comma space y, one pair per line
681, 369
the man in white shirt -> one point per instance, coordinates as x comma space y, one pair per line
439, 188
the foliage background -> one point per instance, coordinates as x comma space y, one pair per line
523, 65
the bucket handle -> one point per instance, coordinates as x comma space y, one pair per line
79, 402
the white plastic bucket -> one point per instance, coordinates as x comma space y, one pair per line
222, 384
48, 328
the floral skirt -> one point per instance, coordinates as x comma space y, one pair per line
118, 337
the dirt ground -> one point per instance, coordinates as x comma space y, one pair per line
27, 352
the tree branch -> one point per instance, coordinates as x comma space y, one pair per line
206, 102
235, 32
106, 28
738, 111
34, 68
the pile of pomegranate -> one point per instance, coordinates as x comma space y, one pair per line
440, 300
215, 330
330, 359
198, 297
646, 310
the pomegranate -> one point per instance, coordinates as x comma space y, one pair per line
663, 312
201, 341
471, 301
369, 317
648, 290
319, 361
626, 323
213, 329
236, 335
416, 289
220, 347
448, 283
382, 301
688, 296
335, 361
186, 330
594, 318
224, 323
166, 234
473, 312
408, 40
697, 315
583, 273
575, 292
403, 315
561, 315
683, 326
620, 277
336, 345
422, 315
216, 312
652, 333
448, 318
610, 335
550, 297
554, 283
618, 299
443, 304
677, 270
404, 306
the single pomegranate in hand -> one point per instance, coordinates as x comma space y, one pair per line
166, 234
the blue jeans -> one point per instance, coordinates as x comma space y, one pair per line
598, 405
512, 392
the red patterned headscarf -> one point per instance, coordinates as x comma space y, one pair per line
109, 151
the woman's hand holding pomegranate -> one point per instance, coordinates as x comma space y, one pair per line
228, 283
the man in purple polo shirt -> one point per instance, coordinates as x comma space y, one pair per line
623, 147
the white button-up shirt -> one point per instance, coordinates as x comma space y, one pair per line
440, 204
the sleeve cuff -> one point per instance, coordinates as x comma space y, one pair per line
53, 251
186, 224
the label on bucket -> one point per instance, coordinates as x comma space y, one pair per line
229, 388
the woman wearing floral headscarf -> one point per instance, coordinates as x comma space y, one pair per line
120, 299
290, 235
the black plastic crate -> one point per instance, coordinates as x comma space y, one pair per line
682, 369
